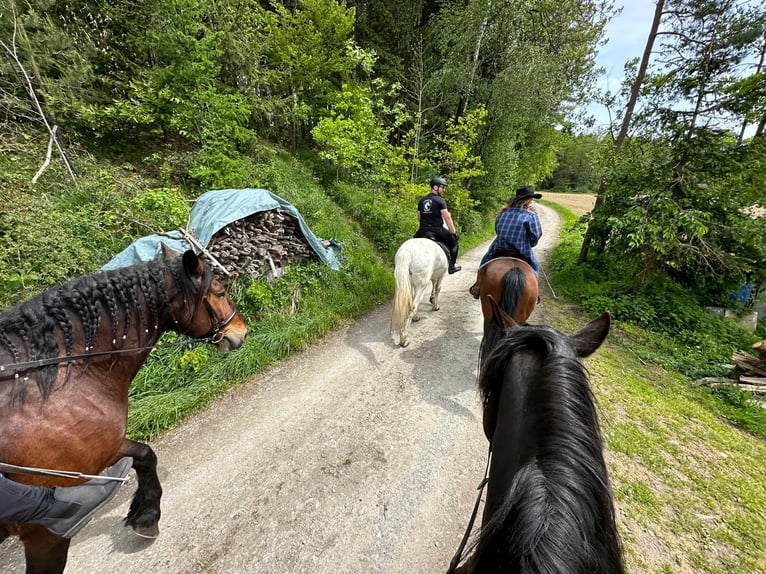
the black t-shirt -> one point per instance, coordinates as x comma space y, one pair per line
430, 208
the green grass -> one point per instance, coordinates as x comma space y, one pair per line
687, 465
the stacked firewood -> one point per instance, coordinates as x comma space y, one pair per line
749, 371
261, 244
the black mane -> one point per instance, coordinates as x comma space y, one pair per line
558, 514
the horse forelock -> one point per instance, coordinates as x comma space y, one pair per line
191, 293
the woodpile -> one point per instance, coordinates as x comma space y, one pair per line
749, 371
261, 244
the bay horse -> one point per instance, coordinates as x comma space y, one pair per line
512, 284
419, 266
549, 506
67, 358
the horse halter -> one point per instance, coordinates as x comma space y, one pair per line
216, 325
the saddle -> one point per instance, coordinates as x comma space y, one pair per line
509, 252
432, 236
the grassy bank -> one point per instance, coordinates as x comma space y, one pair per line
687, 465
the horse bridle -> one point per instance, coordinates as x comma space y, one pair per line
215, 335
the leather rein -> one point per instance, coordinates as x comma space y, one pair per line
459, 554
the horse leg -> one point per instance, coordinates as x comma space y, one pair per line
436, 289
144, 513
417, 295
45, 553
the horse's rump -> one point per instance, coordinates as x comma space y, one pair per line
419, 263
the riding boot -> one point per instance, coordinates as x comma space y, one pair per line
452, 267
74, 506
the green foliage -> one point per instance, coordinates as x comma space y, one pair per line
680, 210
686, 337
742, 409
166, 208
455, 156
352, 137
573, 172
194, 360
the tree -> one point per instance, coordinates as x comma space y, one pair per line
625, 125
678, 191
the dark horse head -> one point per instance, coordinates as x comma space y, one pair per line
549, 506
67, 359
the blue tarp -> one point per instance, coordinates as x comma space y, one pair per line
213, 211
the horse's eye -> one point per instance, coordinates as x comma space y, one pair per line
221, 295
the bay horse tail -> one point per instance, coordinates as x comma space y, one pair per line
514, 284
403, 306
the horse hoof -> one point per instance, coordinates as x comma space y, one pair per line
152, 531
403, 343
436, 307
416, 318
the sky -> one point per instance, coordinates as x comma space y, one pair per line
626, 33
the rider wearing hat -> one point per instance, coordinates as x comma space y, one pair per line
517, 229
436, 221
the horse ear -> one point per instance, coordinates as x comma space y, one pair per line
193, 265
585, 341
167, 252
502, 319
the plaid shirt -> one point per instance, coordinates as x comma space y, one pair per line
519, 228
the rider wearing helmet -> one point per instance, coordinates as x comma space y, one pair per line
436, 222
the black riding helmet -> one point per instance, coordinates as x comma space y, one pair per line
438, 181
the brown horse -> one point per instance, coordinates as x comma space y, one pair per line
67, 358
513, 284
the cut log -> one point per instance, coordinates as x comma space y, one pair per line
261, 244
758, 389
753, 380
711, 381
749, 364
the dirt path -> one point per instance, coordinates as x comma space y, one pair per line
354, 456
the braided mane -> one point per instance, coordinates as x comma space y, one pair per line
130, 298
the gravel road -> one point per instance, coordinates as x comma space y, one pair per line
353, 456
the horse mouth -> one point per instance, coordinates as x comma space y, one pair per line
231, 342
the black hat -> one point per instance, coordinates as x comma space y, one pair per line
526, 191
438, 181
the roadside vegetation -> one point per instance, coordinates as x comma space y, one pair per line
686, 463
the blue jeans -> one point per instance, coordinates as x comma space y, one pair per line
22, 502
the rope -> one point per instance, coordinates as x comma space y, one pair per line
15, 368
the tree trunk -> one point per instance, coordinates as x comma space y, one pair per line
635, 88
474, 62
